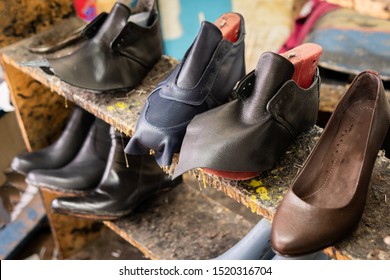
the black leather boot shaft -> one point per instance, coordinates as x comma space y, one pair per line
86, 169
203, 80
122, 188
60, 152
251, 133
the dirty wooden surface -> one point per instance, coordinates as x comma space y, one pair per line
20, 19
35, 116
70, 233
182, 224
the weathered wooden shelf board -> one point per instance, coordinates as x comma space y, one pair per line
182, 224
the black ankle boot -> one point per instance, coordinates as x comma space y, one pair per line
85, 171
122, 188
60, 152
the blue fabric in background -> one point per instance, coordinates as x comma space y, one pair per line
189, 19
353, 51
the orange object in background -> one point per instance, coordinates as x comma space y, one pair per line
229, 24
305, 59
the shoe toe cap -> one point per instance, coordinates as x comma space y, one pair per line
21, 165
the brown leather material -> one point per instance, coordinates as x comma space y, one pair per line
251, 133
327, 198
117, 57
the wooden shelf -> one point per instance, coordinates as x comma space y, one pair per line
182, 224
121, 110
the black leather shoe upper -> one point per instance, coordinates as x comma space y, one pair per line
85, 170
203, 80
118, 56
60, 152
251, 133
122, 187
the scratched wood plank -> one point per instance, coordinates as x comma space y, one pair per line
182, 224
70, 233
37, 109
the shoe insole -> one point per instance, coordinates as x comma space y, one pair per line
334, 184
305, 59
229, 24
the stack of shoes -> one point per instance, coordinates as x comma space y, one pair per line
105, 183
120, 48
203, 80
63, 151
85, 171
126, 183
75, 162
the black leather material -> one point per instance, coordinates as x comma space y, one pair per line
118, 56
85, 171
60, 152
121, 189
256, 245
202, 81
251, 134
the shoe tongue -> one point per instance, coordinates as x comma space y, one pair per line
199, 56
114, 23
271, 72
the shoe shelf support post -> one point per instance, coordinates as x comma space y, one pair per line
41, 115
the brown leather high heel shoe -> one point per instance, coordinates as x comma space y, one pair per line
327, 198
